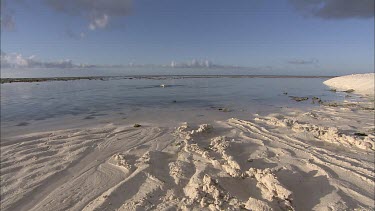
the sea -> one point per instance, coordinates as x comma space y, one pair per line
142, 97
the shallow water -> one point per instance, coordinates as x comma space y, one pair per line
23, 102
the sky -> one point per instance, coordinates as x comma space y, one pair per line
318, 35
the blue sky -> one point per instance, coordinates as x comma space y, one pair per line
283, 34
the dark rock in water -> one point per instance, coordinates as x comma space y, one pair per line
333, 90
331, 104
367, 108
224, 109
360, 134
298, 99
316, 100
137, 125
22, 124
349, 91
89, 117
351, 105
285, 93
371, 130
175, 101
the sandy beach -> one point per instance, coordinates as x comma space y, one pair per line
358, 83
125, 105
322, 159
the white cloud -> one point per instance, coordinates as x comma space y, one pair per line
98, 12
16, 60
99, 22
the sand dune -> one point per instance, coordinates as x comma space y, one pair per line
289, 161
358, 83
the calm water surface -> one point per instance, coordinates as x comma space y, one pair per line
22, 102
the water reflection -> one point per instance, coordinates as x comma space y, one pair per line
36, 101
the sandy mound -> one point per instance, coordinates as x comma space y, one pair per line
299, 161
359, 83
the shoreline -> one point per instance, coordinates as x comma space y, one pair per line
173, 117
199, 166
310, 158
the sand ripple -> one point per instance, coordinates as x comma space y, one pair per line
267, 163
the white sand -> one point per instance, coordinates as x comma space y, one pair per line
360, 83
289, 161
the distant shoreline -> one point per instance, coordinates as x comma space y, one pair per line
155, 77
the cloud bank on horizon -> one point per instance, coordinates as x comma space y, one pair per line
16, 60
